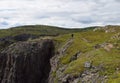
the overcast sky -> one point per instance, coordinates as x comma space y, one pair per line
63, 13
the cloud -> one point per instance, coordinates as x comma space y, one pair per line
3, 24
63, 13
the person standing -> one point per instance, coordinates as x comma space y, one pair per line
72, 35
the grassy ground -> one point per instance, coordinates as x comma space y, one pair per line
85, 42
36, 30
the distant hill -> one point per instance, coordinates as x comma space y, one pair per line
41, 30
23, 33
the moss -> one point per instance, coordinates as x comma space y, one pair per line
54, 74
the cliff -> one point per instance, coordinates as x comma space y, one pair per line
26, 62
90, 56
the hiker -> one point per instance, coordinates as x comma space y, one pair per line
72, 35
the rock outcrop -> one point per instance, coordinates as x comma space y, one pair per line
8, 40
26, 62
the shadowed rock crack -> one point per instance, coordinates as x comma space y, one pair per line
55, 60
26, 62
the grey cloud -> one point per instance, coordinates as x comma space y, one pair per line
66, 13
4, 23
2, 10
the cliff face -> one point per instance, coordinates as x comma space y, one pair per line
26, 62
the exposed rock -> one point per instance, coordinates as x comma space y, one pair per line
65, 47
6, 41
106, 29
74, 57
24, 37
6, 38
108, 46
88, 64
26, 62
116, 36
87, 76
19, 37
97, 46
97, 28
55, 64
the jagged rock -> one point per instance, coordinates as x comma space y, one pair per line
24, 37
108, 46
98, 28
116, 36
6, 38
6, 41
26, 62
97, 46
87, 76
74, 57
55, 63
87, 64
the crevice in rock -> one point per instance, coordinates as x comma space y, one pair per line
26, 62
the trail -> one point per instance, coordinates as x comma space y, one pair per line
61, 52
65, 47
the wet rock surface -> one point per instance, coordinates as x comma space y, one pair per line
26, 62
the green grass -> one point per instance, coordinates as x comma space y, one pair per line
85, 42
114, 78
41, 30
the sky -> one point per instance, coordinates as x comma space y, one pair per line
62, 13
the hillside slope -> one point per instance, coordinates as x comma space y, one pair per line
41, 30
24, 33
90, 55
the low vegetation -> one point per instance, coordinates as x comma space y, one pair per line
99, 45
86, 42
